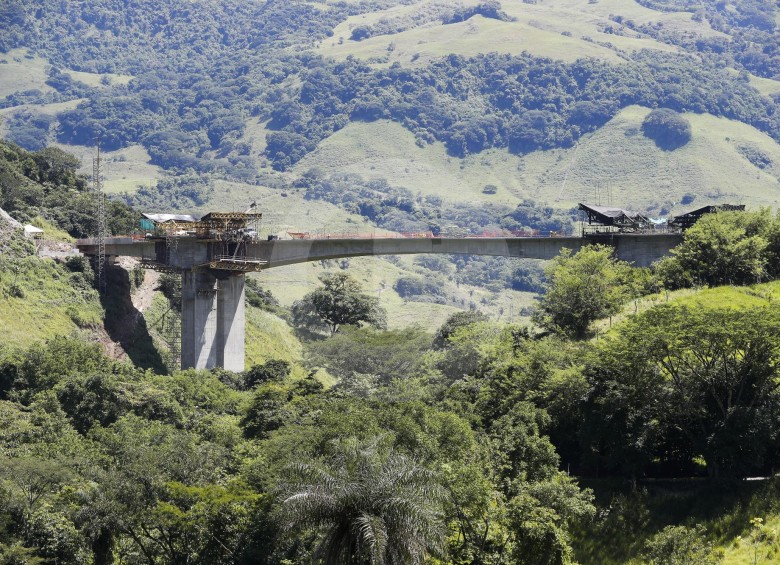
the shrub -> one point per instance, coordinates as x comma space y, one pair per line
259, 297
137, 276
667, 128
16, 290
680, 544
271, 371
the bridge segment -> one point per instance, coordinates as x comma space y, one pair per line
213, 305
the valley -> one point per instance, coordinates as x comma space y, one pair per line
432, 408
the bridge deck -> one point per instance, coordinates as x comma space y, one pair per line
189, 252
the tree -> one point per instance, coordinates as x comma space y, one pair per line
273, 370
523, 454
369, 507
541, 517
581, 288
339, 302
90, 401
679, 382
34, 478
203, 524
267, 411
723, 248
667, 128
393, 354
453, 323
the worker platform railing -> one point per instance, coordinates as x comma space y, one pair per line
233, 263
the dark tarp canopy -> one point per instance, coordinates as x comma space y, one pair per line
684, 221
618, 217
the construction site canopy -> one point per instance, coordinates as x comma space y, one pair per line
616, 217
219, 224
214, 225
684, 221
163, 218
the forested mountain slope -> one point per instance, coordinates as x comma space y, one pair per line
347, 116
244, 91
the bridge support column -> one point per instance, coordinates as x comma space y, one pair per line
230, 323
198, 319
212, 320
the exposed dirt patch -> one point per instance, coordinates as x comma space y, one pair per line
143, 296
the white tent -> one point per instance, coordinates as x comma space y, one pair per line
32, 232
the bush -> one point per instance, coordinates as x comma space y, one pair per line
77, 317
259, 297
434, 263
667, 128
271, 371
80, 281
360, 33
411, 287
78, 264
16, 290
455, 322
680, 544
137, 276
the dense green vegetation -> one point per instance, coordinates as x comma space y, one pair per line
523, 103
750, 23
668, 129
458, 447
725, 248
45, 184
399, 209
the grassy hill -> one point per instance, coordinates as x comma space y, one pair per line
41, 299
616, 162
377, 277
124, 170
559, 29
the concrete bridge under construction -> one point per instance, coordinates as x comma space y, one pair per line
213, 309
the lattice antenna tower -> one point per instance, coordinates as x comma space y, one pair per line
100, 215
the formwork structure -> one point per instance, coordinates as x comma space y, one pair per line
162, 225
214, 226
608, 219
220, 226
101, 223
685, 221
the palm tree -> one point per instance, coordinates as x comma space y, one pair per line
382, 509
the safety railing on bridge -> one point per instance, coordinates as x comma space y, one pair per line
426, 234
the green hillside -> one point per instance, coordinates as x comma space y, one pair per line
399, 409
61, 91
616, 162
559, 29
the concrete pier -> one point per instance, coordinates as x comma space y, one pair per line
198, 319
212, 320
230, 322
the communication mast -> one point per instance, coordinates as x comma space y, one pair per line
100, 214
